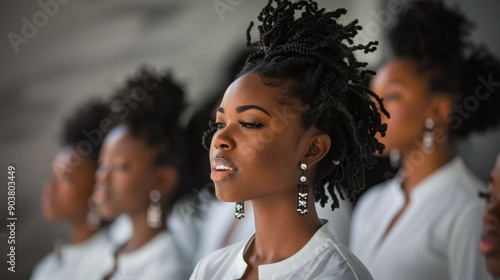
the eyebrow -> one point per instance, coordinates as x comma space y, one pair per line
244, 108
491, 180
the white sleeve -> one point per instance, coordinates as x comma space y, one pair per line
465, 261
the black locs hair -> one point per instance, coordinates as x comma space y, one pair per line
436, 38
316, 53
86, 119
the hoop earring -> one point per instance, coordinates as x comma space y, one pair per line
93, 216
154, 210
240, 210
302, 191
428, 139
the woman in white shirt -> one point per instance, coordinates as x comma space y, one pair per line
67, 197
295, 125
140, 175
218, 228
424, 223
490, 244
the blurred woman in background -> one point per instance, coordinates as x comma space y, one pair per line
424, 223
67, 196
490, 244
139, 175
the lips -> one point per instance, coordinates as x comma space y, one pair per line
222, 169
489, 243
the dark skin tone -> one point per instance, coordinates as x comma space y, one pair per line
262, 151
490, 245
67, 192
125, 177
408, 99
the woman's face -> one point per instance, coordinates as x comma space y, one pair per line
259, 143
406, 98
125, 175
67, 192
490, 245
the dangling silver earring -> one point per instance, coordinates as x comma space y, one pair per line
240, 210
93, 217
154, 210
302, 191
428, 139
395, 158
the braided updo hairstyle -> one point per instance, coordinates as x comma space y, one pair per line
313, 55
436, 38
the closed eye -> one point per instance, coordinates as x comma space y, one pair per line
392, 96
251, 125
219, 125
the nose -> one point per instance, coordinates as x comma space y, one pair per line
102, 174
224, 139
492, 214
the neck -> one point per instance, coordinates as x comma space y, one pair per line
80, 231
417, 165
280, 230
142, 233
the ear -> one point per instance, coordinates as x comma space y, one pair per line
439, 108
318, 147
166, 180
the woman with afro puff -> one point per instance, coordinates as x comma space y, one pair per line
426, 222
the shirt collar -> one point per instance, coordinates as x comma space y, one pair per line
435, 182
148, 251
65, 251
321, 240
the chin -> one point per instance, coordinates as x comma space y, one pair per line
220, 196
107, 214
223, 194
493, 266
51, 218
50, 215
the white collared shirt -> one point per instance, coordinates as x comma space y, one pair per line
158, 259
436, 237
219, 228
323, 257
68, 260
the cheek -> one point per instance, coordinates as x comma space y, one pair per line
131, 187
71, 198
405, 124
273, 159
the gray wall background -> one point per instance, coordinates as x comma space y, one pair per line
87, 48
